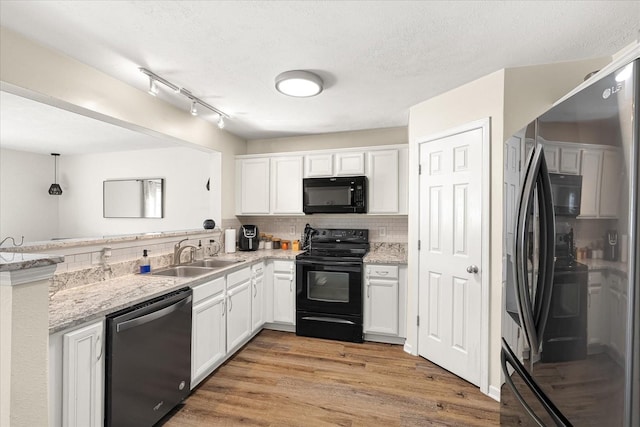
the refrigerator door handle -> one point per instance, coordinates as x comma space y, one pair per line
547, 247
507, 356
523, 297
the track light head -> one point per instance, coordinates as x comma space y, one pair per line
221, 122
153, 86
194, 108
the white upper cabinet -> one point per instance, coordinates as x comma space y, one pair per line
252, 186
562, 159
600, 172
318, 165
383, 181
349, 163
286, 185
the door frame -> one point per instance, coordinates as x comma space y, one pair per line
411, 345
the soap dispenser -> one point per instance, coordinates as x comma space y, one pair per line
199, 251
145, 265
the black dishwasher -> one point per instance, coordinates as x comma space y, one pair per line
148, 362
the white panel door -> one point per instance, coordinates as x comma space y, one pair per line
286, 185
208, 334
257, 296
451, 242
591, 175
383, 181
238, 315
350, 163
254, 186
318, 165
552, 156
611, 178
82, 371
284, 297
570, 161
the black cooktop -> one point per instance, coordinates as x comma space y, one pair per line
348, 244
568, 264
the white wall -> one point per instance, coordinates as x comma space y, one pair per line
362, 138
187, 202
72, 85
26, 208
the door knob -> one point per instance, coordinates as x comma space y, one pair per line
472, 269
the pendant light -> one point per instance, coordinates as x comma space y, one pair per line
55, 189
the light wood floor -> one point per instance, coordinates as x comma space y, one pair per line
280, 379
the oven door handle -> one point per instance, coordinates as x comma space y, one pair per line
328, 319
333, 265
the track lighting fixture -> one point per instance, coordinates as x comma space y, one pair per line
154, 79
153, 86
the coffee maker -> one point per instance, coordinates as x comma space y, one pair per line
611, 245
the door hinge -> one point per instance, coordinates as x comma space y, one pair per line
519, 165
418, 244
419, 169
418, 321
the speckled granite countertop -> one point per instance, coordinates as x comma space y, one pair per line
82, 304
387, 253
18, 261
601, 265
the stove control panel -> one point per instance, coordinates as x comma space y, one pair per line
340, 235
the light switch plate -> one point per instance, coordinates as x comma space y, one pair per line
382, 231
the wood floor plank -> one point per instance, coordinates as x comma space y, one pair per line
280, 379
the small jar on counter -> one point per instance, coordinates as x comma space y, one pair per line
295, 245
285, 245
276, 243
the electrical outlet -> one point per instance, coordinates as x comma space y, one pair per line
382, 231
292, 230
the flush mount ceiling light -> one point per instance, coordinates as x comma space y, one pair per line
299, 83
55, 189
154, 79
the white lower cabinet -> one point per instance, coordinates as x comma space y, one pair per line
238, 308
76, 376
257, 296
208, 335
284, 292
385, 300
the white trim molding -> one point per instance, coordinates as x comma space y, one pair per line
29, 275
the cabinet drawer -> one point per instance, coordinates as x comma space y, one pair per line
595, 278
238, 277
257, 269
208, 289
383, 271
283, 266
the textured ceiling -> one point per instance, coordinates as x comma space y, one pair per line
377, 58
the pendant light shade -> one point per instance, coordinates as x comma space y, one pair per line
55, 189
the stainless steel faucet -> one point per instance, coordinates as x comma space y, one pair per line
177, 251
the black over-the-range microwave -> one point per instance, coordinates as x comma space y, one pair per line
347, 194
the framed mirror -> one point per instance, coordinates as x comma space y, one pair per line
133, 198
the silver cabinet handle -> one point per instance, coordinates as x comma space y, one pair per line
472, 269
368, 287
230, 304
381, 273
99, 346
255, 289
224, 307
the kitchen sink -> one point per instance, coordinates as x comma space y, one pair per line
213, 263
183, 271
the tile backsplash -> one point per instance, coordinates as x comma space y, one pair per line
381, 228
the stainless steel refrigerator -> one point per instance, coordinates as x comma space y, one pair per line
571, 272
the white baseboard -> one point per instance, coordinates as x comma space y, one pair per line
408, 348
494, 393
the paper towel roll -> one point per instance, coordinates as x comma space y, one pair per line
230, 240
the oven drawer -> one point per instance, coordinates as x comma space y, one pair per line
382, 271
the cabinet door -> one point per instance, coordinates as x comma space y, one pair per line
381, 306
284, 297
286, 185
82, 370
595, 317
253, 175
570, 161
383, 181
257, 295
208, 337
238, 315
350, 163
318, 165
591, 173
610, 184
552, 156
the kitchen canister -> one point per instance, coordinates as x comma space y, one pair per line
230, 240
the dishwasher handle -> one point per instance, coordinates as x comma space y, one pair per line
154, 315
